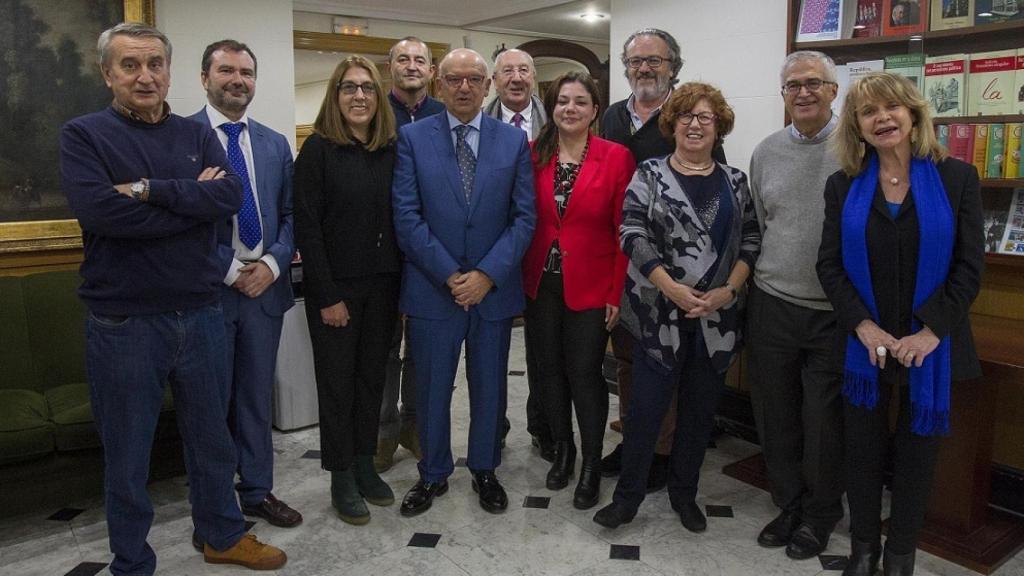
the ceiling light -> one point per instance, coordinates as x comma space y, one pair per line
985, 14
592, 17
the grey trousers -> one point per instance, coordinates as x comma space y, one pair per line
796, 385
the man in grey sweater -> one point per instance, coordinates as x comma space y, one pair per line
795, 379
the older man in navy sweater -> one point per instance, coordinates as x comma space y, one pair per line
148, 187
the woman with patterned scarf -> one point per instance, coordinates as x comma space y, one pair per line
901, 256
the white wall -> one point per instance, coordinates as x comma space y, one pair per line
737, 45
265, 25
308, 98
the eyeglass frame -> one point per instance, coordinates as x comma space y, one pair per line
456, 82
798, 86
641, 60
350, 88
703, 118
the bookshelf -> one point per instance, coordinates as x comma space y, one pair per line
986, 419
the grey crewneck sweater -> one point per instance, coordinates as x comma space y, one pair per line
787, 183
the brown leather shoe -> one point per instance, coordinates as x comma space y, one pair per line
248, 552
274, 511
616, 426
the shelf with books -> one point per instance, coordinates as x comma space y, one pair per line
1001, 119
1002, 183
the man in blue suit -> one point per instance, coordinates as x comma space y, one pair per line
255, 249
464, 216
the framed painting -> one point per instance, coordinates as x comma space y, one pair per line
50, 76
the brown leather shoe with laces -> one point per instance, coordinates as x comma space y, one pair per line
249, 553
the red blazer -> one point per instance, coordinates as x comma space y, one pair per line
593, 265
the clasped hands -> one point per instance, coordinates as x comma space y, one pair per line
696, 303
909, 350
469, 288
253, 279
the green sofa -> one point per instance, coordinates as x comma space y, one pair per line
50, 451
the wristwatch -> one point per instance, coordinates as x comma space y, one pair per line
140, 190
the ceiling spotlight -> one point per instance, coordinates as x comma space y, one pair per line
592, 17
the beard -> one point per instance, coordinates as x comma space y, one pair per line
646, 92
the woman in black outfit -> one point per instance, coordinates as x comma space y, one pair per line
351, 268
901, 255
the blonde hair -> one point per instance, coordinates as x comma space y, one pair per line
330, 123
848, 143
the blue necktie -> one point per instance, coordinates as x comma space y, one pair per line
249, 230
467, 160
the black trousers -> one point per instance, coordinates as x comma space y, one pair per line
798, 407
869, 444
700, 388
536, 419
350, 364
568, 351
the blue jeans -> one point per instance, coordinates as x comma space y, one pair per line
129, 359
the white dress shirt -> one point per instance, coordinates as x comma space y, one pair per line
527, 114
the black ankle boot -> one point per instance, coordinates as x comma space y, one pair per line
562, 469
588, 490
863, 558
898, 564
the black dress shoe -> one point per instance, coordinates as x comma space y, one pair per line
611, 464
692, 517
274, 511
546, 447
419, 498
807, 542
614, 515
492, 495
898, 564
588, 490
563, 467
863, 558
778, 532
657, 478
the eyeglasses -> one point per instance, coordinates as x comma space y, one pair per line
653, 62
349, 88
523, 71
704, 118
475, 81
813, 85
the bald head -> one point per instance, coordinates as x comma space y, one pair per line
463, 57
464, 83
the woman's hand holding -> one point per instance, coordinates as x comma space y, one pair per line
683, 296
873, 337
712, 300
914, 348
336, 315
611, 316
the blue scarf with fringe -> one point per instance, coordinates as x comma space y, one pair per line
929, 384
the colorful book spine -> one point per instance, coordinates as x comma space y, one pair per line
942, 135
904, 17
1013, 150
945, 84
980, 157
910, 66
991, 81
1018, 85
948, 14
995, 152
961, 142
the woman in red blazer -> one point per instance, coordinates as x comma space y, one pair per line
573, 274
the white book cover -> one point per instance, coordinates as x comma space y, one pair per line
990, 83
945, 84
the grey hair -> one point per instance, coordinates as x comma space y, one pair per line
133, 29
673, 48
805, 55
529, 59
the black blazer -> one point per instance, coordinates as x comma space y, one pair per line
892, 257
343, 225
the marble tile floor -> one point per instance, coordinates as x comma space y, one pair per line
541, 534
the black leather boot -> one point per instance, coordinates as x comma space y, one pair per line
565, 462
863, 558
898, 564
588, 490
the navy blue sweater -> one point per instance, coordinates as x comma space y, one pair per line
155, 256
429, 107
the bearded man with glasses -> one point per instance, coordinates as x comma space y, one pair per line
795, 385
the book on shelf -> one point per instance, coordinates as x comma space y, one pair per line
961, 142
1013, 232
1011, 165
995, 227
945, 84
992, 11
842, 85
990, 83
946, 14
820, 20
980, 156
995, 152
942, 135
904, 17
867, 21
910, 66
1018, 85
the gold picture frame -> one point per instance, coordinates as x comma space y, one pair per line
54, 242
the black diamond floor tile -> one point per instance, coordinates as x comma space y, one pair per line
312, 454
718, 511
623, 552
830, 562
87, 569
65, 514
536, 502
424, 540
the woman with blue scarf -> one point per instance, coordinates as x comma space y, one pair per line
901, 256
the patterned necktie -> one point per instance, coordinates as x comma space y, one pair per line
249, 230
466, 159
517, 120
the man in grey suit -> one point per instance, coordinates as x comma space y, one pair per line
514, 77
255, 248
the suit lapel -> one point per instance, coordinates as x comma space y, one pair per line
446, 154
484, 152
258, 142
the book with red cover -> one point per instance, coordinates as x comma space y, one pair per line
868, 20
961, 142
904, 17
